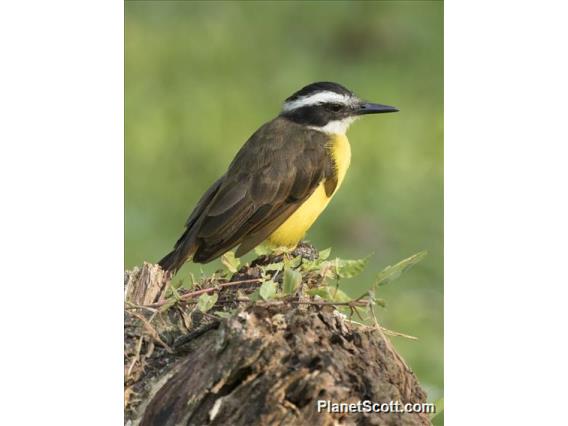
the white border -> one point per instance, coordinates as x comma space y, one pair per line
506, 228
506, 212
61, 171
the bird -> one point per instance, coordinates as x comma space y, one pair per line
280, 181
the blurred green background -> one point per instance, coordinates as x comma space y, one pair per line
200, 78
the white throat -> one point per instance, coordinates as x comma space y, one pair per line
336, 127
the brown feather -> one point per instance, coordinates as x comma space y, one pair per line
276, 170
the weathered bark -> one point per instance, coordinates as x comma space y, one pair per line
265, 365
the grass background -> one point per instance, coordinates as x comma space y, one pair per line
200, 77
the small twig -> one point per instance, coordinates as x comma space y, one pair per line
135, 306
152, 331
136, 356
388, 343
195, 293
357, 313
166, 282
351, 303
398, 334
196, 333
366, 294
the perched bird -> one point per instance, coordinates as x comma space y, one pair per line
281, 179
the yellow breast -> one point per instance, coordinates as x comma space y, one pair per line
293, 230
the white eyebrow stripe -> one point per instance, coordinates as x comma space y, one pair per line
316, 98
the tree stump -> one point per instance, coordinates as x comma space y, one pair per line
264, 365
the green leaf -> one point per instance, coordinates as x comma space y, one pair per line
206, 301
268, 290
262, 250
350, 268
167, 305
254, 296
330, 294
310, 265
293, 262
292, 280
324, 254
224, 314
381, 302
391, 273
317, 264
189, 284
273, 267
174, 291
230, 261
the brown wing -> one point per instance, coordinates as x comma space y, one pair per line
271, 176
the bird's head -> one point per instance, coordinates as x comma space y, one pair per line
328, 107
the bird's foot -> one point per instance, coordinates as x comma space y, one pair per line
305, 250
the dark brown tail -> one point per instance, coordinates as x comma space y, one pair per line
171, 262
183, 250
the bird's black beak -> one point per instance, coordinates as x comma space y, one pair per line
370, 108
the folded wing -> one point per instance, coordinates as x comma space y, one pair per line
271, 176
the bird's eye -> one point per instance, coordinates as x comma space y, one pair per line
335, 107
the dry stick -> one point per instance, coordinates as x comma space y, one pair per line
152, 331
203, 291
136, 357
352, 309
135, 306
354, 303
388, 343
351, 303
190, 295
304, 302
398, 334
